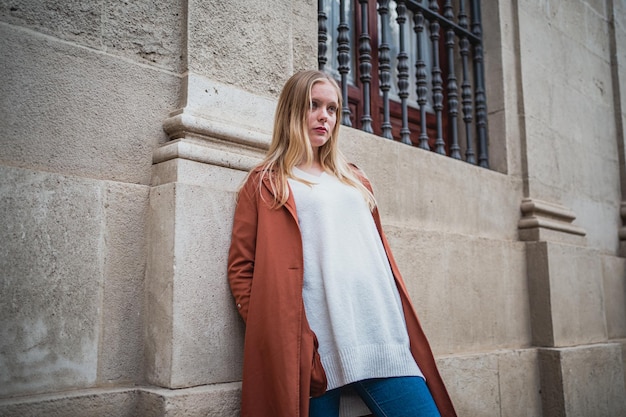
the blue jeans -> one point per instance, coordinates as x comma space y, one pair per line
406, 396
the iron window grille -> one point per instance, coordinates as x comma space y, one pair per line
410, 71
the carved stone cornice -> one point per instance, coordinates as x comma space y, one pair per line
182, 124
196, 138
218, 125
542, 220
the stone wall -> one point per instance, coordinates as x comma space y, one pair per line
84, 92
128, 127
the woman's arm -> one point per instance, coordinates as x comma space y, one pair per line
243, 247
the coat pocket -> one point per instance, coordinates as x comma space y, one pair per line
318, 375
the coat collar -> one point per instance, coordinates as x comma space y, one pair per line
290, 204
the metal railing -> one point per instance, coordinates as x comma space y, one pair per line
443, 40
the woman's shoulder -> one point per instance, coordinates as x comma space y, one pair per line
360, 174
256, 174
255, 177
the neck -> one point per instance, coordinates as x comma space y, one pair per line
315, 167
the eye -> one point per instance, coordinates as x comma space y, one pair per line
314, 105
332, 109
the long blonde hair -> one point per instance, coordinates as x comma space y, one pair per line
291, 145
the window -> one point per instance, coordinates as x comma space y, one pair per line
411, 71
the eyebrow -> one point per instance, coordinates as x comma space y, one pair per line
317, 100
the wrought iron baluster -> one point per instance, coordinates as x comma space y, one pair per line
422, 88
481, 102
384, 66
343, 50
322, 37
437, 81
403, 74
365, 67
453, 100
466, 87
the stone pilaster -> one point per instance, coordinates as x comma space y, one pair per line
542, 220
622, 231
580, 369
190, 314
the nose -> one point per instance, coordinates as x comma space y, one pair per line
323, 115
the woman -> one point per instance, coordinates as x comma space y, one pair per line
327, 313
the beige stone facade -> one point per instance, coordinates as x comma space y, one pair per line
128, 126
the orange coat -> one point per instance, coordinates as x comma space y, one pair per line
282, 369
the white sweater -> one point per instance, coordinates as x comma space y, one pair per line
350, 297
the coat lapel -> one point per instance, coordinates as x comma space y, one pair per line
290, 204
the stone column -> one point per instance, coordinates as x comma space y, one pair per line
569, 216
193, 333
581, 370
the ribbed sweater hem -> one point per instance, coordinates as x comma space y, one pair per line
369, 361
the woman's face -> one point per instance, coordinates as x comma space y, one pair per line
322, 115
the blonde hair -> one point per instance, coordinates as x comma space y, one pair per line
291, 145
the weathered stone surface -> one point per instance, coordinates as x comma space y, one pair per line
569, 163
566, 296
73, 20
506, 383
470, 294
118, 402
423, 190
146, 31
194, 332
220, 400
583, 381
469, 377
125, 223
197, 173
614, 284
72, 265
231, 41
77, 111
518, 378
150, 32
85, 90
52, 273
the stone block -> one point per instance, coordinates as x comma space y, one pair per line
622, 343
52, 264
78, 111
583, 381
231, 41
197, 173
518, 378
470, 293
147, 31
566, 295
118, 402
221, 400
72, 267
194, 334
420, 189
77, 21
614, 284
158, 333
493, 383
215, 107
125, 221
468, 378
599, 216
134, 30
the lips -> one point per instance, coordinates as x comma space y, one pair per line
321, 129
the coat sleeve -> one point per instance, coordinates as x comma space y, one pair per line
243, 247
